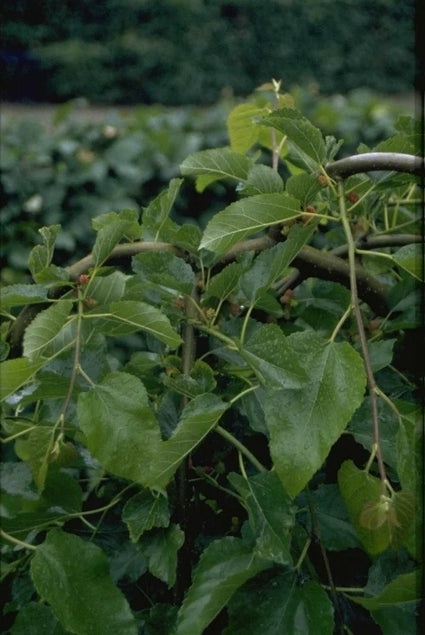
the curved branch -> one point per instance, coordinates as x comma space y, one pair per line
373, 161
321, 264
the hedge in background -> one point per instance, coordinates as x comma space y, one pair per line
74, 169
146, 51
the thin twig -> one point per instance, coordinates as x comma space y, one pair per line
362, 335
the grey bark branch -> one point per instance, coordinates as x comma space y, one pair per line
375, 161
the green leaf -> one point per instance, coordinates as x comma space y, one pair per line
200, 380
246, 217
394, 609
14, 373
165, 270
335, 529
22, 294
198, 418
272, 359
111, 228
262, 179
144, 511
128, 316
218, 163
41, 255
300, 131
358, 488
155, 217
36, 619
160, 548
410, 258
28, 524
242, 128
223, 283
274, 603
72, 575
271, 514
271, 264
361, 428
128, 561
36, 449
44, 328
409, 448
106, 289
304, 187
62, 491
381, 353
304, 423
120, 428
134, 448
224, 566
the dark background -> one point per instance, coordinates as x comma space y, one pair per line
193, 51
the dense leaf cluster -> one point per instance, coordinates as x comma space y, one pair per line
148, 51
252, 464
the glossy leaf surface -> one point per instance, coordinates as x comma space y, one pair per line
72, 575
304, 423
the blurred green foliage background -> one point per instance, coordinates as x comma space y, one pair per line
178, 52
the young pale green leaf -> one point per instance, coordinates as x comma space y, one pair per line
218, 163
242, 128
144, 511
410, 259
111, 228
271, 264
279, 604
224, 566
304, 423
22, 294
128, 316
124, 436
44, 328
160, 548
300, 131
14, 373
272, 359
72, 575
248, 216
358, 488
166, 270
271, 514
